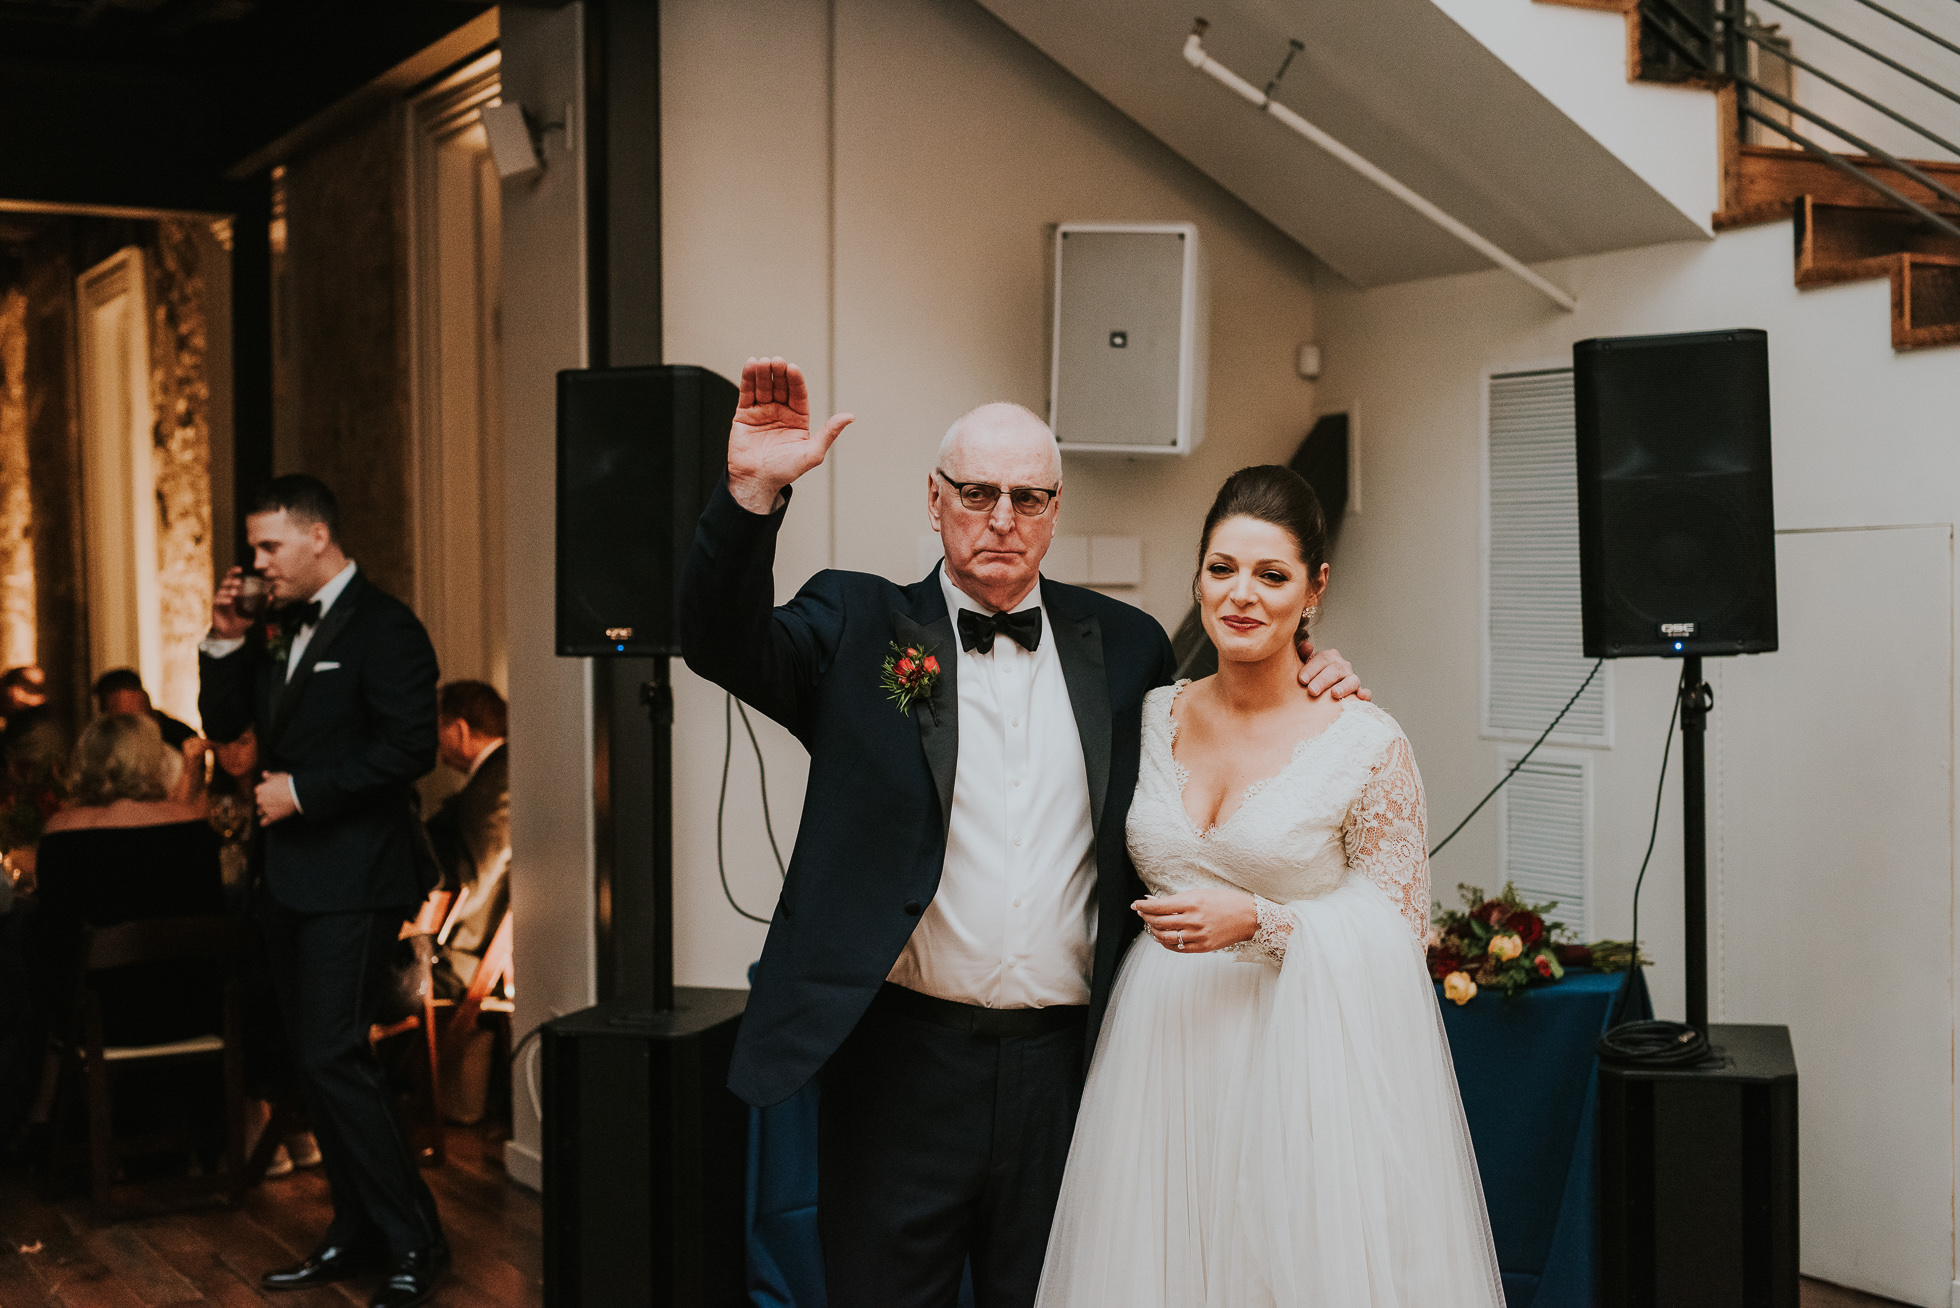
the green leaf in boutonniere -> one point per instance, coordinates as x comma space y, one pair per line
910, 674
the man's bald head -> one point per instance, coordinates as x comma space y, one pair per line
996, 434
994, 555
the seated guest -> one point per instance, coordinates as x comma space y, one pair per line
32, 742
124, 852
120, 691
471, 831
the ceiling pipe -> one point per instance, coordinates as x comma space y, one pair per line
1194, 54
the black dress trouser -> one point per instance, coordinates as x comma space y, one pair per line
937, 1144
331, 971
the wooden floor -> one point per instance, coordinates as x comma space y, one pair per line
57, 1256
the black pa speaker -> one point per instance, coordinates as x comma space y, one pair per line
645, 1156
1698, 1177
1677, 550
639, 450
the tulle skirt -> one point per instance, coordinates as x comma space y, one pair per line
1253, 1136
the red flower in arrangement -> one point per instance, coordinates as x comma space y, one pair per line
1526, 925
910, 674
1574, 955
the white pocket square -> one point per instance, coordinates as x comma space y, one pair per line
324, 666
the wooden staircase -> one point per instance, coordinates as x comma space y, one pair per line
1843, 230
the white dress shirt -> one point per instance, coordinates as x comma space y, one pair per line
217, 648
1013, 923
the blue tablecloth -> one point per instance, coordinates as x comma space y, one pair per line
1529, 1081
1530, 1085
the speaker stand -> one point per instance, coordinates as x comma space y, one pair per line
645, 1146
658, 696
1697, 699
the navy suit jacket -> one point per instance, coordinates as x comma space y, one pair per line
873, 836
355, 726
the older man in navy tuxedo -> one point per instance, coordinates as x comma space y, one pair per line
959, 894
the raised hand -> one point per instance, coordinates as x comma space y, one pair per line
770, 444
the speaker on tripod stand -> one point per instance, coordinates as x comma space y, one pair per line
645, 1146
1677, 552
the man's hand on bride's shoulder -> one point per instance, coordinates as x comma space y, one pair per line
1327, 673
770, 444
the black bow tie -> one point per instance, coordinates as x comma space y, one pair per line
977, 630
295, 616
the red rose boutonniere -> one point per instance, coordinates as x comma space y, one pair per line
278, 636
910, 674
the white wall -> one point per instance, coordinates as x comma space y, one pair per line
551, 834
871, 196
1864, 438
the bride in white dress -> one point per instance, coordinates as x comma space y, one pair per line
1271, 1117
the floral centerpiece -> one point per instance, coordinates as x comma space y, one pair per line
1509, 942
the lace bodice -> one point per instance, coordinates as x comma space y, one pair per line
1350, 799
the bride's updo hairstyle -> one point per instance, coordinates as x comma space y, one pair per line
1275, 494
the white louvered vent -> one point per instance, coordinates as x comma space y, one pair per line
1544, 835
1536, 659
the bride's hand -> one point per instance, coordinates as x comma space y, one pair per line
1199, 921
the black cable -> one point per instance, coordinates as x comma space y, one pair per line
762, 779
1654, 1044
721, 804
1654, 831
1597, 665
1651, 1042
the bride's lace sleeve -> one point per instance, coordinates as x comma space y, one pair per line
1385, 838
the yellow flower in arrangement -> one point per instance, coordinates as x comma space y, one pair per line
1506, 947
1459, 987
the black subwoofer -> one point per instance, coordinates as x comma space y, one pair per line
639, 450
1698, 1178
1677, 551
645, 1155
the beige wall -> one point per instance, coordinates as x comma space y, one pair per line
872, 197
1830, 762
550, 698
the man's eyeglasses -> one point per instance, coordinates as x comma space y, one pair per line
1028, 501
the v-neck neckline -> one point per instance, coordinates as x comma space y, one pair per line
1181, 776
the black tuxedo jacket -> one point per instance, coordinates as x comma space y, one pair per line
355, 725
873, 835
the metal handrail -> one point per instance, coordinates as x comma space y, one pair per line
1937, 188
1862, 48
1907, 23
1752, 35
1844, 165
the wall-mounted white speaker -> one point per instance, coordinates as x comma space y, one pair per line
1127, 375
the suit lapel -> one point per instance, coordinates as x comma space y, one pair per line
938, 719
331, 625
1078, 643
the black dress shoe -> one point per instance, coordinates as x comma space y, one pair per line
412, 1278
324, 1266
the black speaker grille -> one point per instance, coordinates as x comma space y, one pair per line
1676, 524
639, 450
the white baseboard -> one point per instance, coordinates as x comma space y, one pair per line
525, 1166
